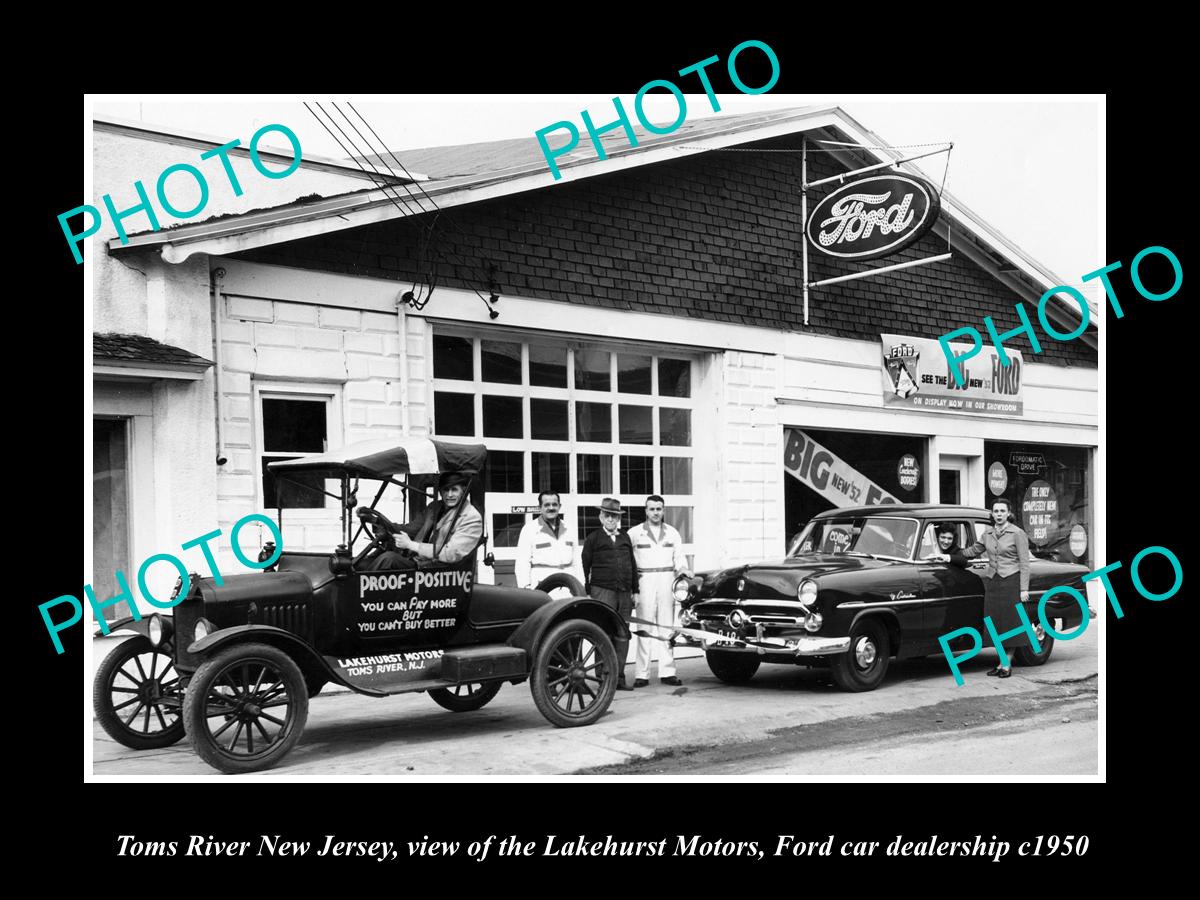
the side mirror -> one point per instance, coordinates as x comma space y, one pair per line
489, 560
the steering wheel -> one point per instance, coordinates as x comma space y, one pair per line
379, 528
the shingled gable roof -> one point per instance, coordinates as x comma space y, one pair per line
470, 173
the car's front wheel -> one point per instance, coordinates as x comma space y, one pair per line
730, 667
574, 674
862, 667
136, 695
246, 708
466, 697
1027, 656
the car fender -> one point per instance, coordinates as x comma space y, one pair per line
890, 621
308, 659
140, 626
534, 628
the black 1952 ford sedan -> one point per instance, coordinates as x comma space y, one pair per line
857, 589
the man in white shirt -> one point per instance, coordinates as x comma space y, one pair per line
658, 552
547, 545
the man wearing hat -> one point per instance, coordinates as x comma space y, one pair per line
448, 531
611, 573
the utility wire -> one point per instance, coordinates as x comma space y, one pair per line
395, 198
421, 188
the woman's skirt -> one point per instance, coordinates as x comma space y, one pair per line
1001, 596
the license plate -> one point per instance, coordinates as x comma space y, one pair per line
724, 638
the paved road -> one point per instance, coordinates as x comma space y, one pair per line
782, 724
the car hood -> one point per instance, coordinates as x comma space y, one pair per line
780, 577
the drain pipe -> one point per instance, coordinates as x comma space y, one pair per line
217, 275
402, 330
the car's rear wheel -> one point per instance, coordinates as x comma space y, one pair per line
574, 674
466, 697
862, 667
136, 695
246, 708
731, 667
1027, 656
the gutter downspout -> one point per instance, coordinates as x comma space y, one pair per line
216, 276
402, 331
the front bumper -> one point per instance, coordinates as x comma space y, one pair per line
800, 645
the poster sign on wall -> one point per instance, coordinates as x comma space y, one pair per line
997, 479
1079, 540
833, 478
916, 374
909, 472
1039, 512
1027, 463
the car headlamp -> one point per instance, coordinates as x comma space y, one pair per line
681, 589
813, 622
806, 592
203, 629
686, 619
155, 629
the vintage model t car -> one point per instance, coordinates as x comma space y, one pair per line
235, 665
856, 589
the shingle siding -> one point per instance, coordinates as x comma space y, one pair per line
712, 236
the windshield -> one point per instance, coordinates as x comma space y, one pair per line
871, 535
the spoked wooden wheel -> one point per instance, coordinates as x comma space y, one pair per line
466, 697
246, 708
574, 674
137, 695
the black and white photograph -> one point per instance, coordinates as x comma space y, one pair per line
698, 433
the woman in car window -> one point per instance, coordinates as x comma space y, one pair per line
1006, 578
948, 549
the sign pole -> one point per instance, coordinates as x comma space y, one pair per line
804, 215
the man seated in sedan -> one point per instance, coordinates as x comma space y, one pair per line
448, 531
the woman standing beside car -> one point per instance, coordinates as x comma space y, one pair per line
1006, 579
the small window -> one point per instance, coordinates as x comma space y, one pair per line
503, 417
680, 517
551, 472
675, 427
453, 414
637, 475
548, 420
547, 366
593, 422
676, 475
292, 425
591, 370
452, 358
674, 378
635, 424
500, 361
595, 473
633, 374
506, 528
505, 472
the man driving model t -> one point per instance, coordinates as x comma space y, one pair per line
449, 529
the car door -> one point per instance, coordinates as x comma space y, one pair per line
953, 594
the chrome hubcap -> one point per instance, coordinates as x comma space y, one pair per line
864, 653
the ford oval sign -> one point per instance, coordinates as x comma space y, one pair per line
873, 216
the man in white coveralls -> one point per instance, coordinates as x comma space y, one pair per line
658, 552
547, 545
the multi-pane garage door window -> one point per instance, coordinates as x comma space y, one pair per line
585, 420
